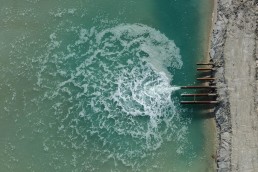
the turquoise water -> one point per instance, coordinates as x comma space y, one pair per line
94, 85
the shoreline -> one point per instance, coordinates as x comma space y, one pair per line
233, 49
209, 124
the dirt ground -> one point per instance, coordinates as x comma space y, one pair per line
234, 47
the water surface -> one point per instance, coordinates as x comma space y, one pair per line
93, 85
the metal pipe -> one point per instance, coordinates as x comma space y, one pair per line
204, 63
200, 95
206, 79
198, 87
205, 69
199, 102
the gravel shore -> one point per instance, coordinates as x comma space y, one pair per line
234, 51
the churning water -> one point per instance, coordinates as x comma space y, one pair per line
91, 86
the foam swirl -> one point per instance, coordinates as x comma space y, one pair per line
110, 90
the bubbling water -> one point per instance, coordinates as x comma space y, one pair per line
110, 92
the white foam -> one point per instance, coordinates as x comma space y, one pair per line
175, 88
161, 51
118, 89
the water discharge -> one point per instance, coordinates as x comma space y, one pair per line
114, 86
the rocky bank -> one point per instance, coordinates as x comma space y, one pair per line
234, 51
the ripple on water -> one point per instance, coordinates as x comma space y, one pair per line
107, 94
